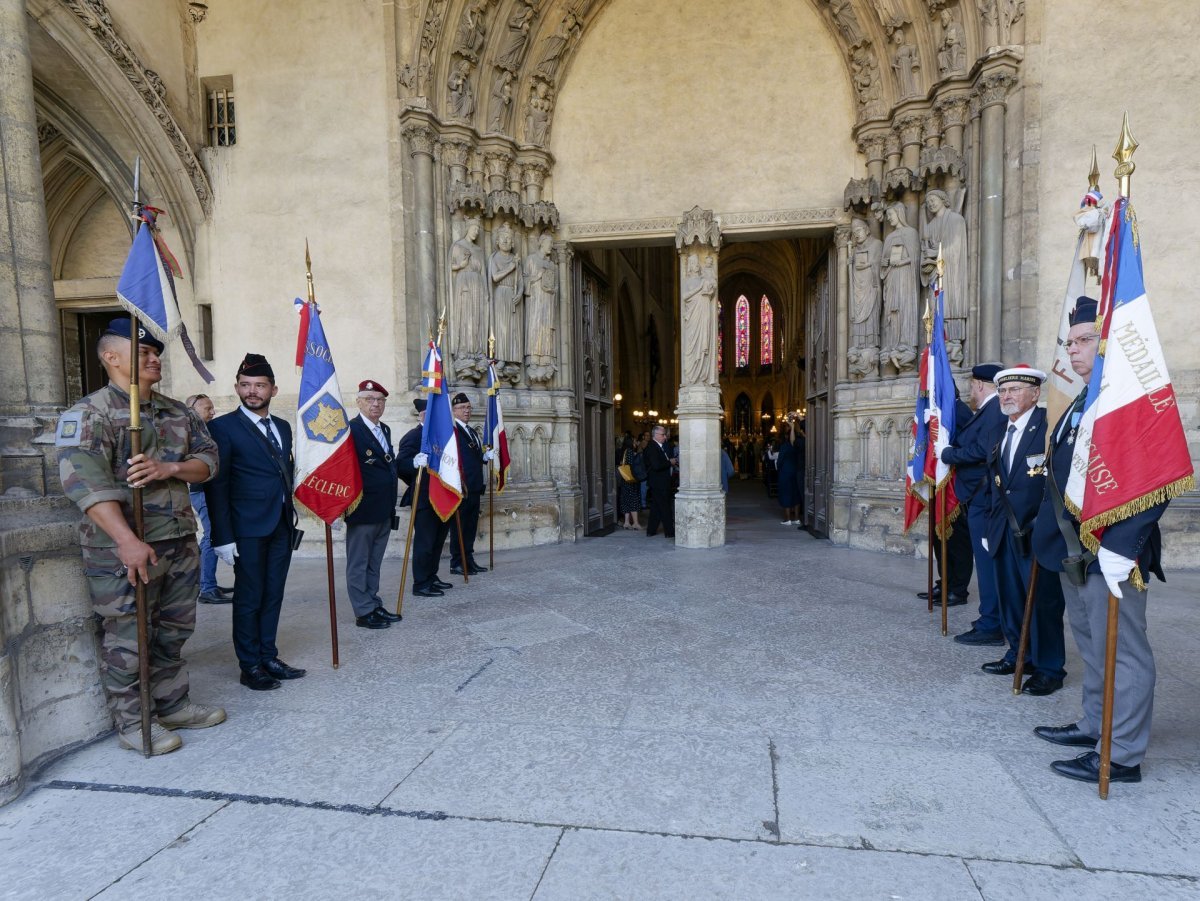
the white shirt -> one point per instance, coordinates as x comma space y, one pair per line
377, 431
1015, 440
257, 419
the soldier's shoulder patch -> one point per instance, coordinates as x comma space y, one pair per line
70, 427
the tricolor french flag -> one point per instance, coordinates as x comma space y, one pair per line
328, 481
493, 429
439, 441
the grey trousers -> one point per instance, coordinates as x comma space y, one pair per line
365, 545
1133, 694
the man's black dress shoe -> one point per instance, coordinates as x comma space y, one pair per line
1086, 768
210, 597
1066, 735
999, 668
937, 593
975, 637
371, 621
387, 615
428, 592
473, 570
438, 583
228, 592
955, 600
281, 670
1039, 685
258, 679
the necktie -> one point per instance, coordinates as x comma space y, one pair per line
266, 426
1006, 451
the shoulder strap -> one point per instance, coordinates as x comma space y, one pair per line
1074, 548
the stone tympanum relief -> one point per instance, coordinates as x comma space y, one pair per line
512, 50
866, 292
462, 95
952, 52
899, 261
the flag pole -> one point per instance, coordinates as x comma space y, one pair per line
139, 517
333, 633
929, 511
941, 272
1123, 154
1026, 619
491, 465
412, 520
462, 550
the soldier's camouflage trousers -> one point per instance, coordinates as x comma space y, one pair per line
171, 603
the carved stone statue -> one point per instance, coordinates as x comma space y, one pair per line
508, 295
541, 313
501, 101
556, 45
952, 53
462, 98
906, 61
866, 253
847, 21
898, 263
699, 297
537, 114
947, 229
866, 75
468, 304
472, 30
1011, 13
512, 51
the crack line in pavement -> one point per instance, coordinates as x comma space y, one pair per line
471, 678
197, 794
553, 851
773, 826
974, 881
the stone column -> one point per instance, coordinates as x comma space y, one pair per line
700, 504
420, 138
993, 89
841, 240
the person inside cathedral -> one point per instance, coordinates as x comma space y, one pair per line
472, 459
429, 530
210, 591
1016, 483
658, 475
1129, 551
370, 524
629, 493
784, 459
975, 436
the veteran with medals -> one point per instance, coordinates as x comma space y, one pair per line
369, 525
1015, 483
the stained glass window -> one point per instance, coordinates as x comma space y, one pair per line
720, 340
766, 347
741, 332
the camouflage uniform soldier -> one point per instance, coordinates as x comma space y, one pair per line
97, 472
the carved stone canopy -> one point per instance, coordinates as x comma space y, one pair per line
698, 227
897, 181
940, 160
861, 192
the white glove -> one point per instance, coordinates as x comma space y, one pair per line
226, 552
420, 460
1114, 568
983, 541
489, 456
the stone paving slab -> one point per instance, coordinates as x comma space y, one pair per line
71, 844
682, 784
267, 851
1004, 881
598, 865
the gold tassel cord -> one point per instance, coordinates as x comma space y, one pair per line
1131, 508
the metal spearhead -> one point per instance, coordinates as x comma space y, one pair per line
1126, 146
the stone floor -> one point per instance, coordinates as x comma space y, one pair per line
621, 719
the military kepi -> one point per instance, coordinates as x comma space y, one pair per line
120, 328
1085, 311
256, 366
369, 385
1023, 373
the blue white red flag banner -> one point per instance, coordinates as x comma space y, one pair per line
916, 486
1131, 451
146, 288
493, 429
439, 440
328, 481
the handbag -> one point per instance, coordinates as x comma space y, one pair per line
626, 472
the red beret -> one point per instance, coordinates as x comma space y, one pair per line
369, 385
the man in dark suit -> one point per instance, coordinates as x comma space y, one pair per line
253, 520
658, 476
1016, 473
959, 562
370, 524
968, 454
429, 531
471, 456
1133, 543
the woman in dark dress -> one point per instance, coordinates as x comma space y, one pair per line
789, 497
629, 494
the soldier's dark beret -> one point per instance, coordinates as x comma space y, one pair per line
120, 328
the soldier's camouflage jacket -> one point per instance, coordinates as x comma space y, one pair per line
93, 446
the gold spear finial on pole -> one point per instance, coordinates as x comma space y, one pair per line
492, 346
1094, 174
1126, 145
308, 272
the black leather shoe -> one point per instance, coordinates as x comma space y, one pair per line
1066, 735
937, 593
975, 637
387, 615
228, 592
1040, 685
281, 670
428, 592
999, 668
438, 583
955, 600
371, 621
209, 597
456, 570
258, 679
476, 569
1086, 768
